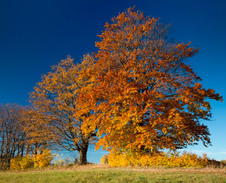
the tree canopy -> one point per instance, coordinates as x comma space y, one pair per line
54, 99
144, 95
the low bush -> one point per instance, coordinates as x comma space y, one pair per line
26, 162
43, 159
40, 160
20, 163
15, 163
3, 165
118, 159
104, 159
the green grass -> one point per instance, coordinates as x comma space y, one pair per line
98, 174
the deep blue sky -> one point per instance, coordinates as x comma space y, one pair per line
37, 34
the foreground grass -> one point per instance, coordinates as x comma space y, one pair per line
97, 173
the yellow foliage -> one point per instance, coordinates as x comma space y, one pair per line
116, 159
26, 162
43, 159
104, 159
38, 160
15, 164
21, 163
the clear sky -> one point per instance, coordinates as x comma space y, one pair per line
36, 34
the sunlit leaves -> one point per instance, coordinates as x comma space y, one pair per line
117, 159
144, 95
55, 103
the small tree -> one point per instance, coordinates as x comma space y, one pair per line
144, 96
55, 100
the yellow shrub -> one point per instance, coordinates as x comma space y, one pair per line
39, 160
42, 159
116, 159
20, 163
104, 159
15, 163
26, 162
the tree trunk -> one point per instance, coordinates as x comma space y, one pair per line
27, 151
83, 154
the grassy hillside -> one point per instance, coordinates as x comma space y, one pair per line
101, 173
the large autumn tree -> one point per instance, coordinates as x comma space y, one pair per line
54, 98
145, 96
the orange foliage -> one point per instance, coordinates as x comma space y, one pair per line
54, 100
142, 94
37, 130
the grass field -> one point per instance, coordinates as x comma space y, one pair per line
101, 173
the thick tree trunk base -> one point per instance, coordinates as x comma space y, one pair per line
83, 156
